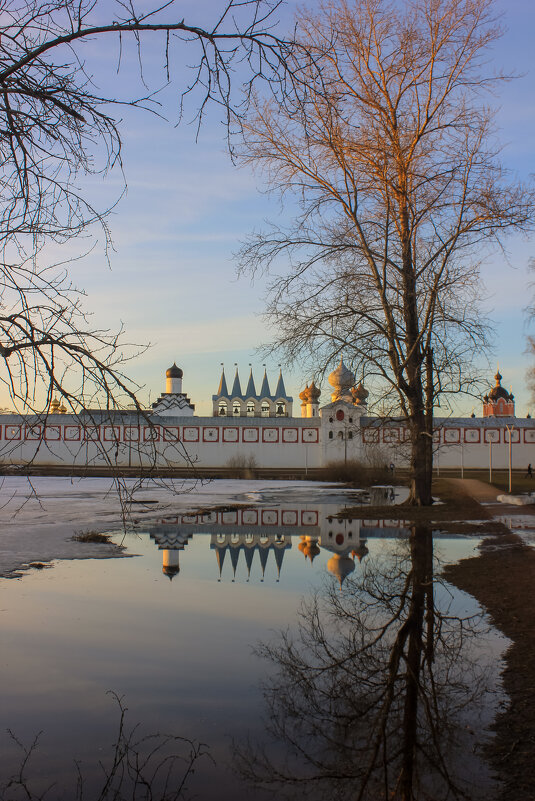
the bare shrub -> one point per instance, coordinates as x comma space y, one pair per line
242, 466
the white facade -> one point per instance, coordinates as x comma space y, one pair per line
171, 436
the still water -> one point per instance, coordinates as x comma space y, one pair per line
312, 656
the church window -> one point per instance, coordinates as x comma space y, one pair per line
250, 408
340, 435
222, 409
350, 435
236, 411
330, 434
265, 409
281, 411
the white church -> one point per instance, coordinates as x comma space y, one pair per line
259, 429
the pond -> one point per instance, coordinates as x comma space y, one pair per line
311, 656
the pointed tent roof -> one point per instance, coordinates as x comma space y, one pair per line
250, 392
234, 557
263, 553
220, 556
249, 553
279, 556
280, 391
236, 387
265, 391
222, 391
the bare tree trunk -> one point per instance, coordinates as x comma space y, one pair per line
420, 539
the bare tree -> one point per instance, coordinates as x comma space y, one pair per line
138, 766
371, 696
55, 129
389, 151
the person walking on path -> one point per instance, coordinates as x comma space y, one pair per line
529, 472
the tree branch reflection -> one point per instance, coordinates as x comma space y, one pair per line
375, 695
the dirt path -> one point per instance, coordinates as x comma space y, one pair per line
502, 579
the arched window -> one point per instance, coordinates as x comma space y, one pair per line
340, 435
250, 408
265, 409
350, 435
236, 409
330, 434
280, 409
222, 409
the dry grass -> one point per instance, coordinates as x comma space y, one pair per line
92, 536
354, 473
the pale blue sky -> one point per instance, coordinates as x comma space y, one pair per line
187, 208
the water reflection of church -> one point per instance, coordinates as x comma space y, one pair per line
259, 538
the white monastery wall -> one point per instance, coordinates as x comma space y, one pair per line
170, 435
170, 442
265, 442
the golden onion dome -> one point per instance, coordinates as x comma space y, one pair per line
340, 566
341, 378
304, 394
360, 394
313, 392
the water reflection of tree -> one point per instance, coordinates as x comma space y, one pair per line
373, 694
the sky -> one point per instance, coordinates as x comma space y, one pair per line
172, 280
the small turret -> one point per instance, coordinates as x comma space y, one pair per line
173, 380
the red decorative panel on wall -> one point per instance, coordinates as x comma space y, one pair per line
452, 436
53, 433
210, 434
529, 435
391, 435
33, 432
72, 433
290, 435
515, 435
111, 433
249, 517
310, 435
91, 433
190, 434
131, 433
270, 434
269, 517
151, 433
171, 434
289, 517
472, 435
13, 432
249, 435
231, 434
309, 518
370, 435
491, 435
